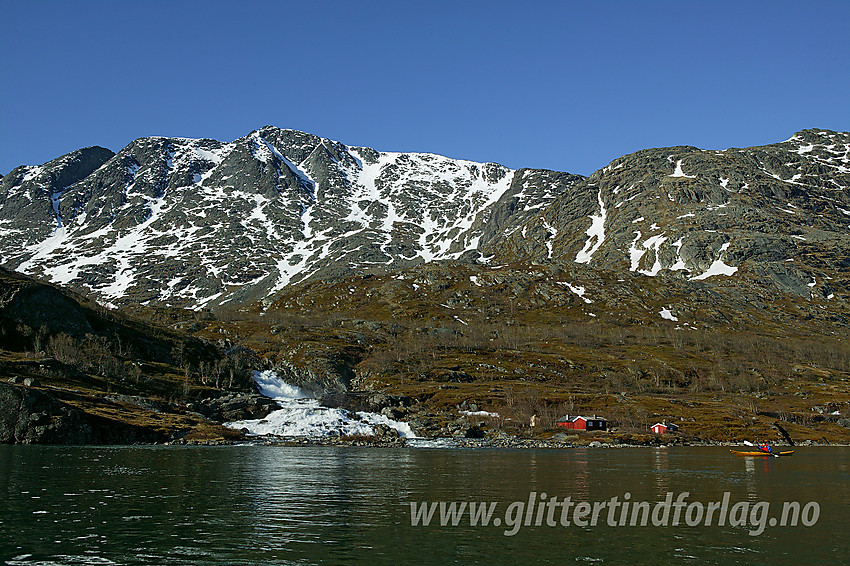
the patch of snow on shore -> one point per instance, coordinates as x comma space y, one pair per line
479, 414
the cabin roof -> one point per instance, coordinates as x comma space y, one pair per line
568, 418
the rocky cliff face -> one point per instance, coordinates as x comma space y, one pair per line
200, 222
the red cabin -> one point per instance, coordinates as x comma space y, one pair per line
583, 423
661, 428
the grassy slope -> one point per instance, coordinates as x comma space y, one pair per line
728, 372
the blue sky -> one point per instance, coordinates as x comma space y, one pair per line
560, 85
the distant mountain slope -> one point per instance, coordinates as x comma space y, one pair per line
778, 215
200, 222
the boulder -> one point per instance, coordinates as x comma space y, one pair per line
384, 432
474, 432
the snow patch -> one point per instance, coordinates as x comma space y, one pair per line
554, 233
578, 290
679, 173
32, 173
717, 268
595, 234
680, 263
666, 314
637, 251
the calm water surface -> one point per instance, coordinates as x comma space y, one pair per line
277, 505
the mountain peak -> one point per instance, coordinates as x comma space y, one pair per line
189, 222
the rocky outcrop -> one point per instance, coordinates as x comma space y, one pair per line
321, 366
234, 407
31, 416
35, 416
393, 406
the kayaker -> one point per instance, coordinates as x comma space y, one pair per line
766, 448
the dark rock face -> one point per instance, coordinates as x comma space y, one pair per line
25, 302
474, 432
384, 432
30, 416
34, 416
29, 196
357, 401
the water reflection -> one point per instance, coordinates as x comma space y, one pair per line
661, 471
277, 505
577, 483
750, 467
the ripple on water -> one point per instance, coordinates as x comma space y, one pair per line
59, 560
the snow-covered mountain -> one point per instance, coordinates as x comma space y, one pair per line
193, 222
200, 222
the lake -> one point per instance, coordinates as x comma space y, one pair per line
349, 505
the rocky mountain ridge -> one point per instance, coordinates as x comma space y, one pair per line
192, 222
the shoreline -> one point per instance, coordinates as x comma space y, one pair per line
467, 443
61, 416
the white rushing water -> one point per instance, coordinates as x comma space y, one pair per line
301, 415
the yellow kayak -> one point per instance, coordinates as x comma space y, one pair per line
760, 453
